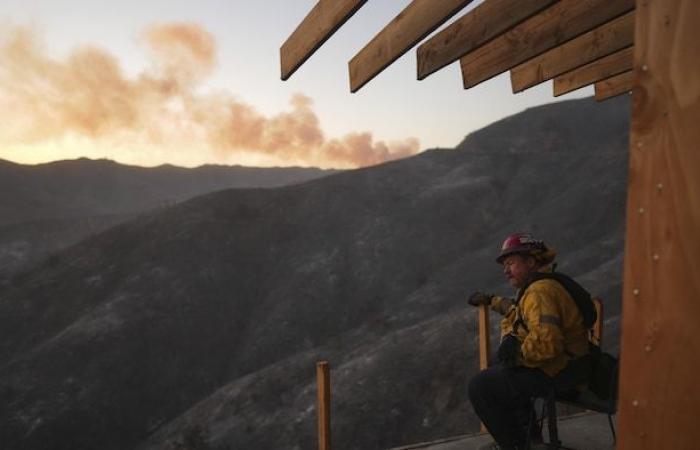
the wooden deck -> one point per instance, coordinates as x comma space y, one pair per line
587, 431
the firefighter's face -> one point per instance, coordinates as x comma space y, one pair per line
518, 268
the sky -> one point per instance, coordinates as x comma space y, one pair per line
191, 83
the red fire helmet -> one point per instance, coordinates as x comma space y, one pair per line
525, 243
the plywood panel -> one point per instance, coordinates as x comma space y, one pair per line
598, 70
602, 41
415, 22
562, 22
613, 86
319, 25
659, 396
473, 30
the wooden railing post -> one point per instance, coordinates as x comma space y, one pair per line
484, 341
598, 325
323, 409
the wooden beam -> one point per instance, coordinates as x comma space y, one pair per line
562, 22
319, 25
473, 30
415, 22
659, 395
614, 86
602, 41
598, 70
323, 377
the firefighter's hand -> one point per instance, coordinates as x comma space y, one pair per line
479, 298
509, 350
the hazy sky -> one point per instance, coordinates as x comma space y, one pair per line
152, 81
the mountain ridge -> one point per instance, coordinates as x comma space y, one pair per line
47, 207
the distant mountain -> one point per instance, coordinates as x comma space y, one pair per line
47, 207
83, 187
202, 321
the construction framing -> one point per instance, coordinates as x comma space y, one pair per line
319, 25
652, 49
419, 19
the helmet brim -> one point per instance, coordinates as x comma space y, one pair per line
526, 250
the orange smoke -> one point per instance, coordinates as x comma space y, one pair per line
183, 53
88, 95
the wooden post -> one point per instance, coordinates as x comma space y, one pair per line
598, 325
659, 366
484, 342
323, 377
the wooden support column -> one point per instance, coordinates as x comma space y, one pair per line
659, 396
323, 377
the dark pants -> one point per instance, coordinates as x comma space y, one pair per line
502, 398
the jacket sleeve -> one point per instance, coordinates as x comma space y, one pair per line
544, 340
502, 305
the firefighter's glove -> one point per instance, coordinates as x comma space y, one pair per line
509, 350
479, 298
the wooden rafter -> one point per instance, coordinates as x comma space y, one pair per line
598, 70
613, 86
415, 22
473, 30
602, 41
319, 25
560, 23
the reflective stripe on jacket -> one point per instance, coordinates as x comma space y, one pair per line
553, 330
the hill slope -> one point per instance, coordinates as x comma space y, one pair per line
83, 188
212, 312
48, 207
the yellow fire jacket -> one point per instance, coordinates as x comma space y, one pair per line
553, 331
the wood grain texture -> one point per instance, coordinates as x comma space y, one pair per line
602, 41
560, 23
659, 397
614, 86
415, 22
598, 70
322, 21
323, 377
473, 30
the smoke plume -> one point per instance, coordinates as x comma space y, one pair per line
88, 95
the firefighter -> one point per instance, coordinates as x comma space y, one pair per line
544, 342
